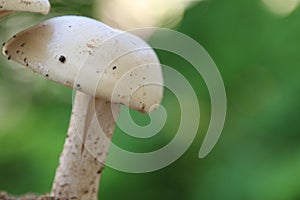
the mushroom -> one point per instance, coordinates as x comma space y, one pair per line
10, 6
108, 68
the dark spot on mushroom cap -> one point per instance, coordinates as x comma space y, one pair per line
62, 59
9, 57
25, 61
6, 52
143, 106
47, 75
23, 44
114, 67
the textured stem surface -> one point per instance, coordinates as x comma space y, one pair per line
81, 162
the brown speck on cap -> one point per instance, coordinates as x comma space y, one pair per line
62, 59
143, 106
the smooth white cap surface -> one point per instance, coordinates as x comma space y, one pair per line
93, 58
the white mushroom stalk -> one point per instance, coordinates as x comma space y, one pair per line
108, 68
37, 6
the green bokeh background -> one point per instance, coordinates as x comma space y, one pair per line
258, 154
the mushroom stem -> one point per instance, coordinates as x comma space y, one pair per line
82, 160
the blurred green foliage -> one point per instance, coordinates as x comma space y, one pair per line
258, 154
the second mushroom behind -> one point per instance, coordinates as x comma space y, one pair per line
10, 6
108, 68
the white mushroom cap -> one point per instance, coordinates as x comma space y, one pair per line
38, 6
93, 58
